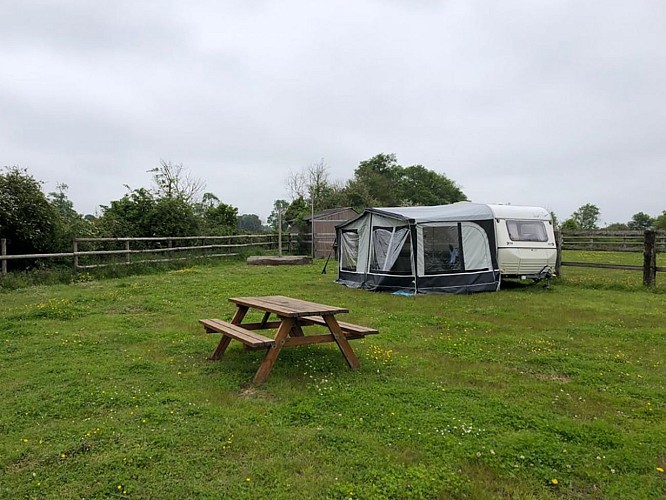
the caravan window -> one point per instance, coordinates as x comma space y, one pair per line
441, 249
348, 250
527, 230
391, 250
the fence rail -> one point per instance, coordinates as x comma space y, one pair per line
611, 241
203, 247
648, 242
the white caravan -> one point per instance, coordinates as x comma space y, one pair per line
525, 241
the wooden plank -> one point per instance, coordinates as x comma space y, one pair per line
603, 266
346, 327
300, 307
287, 306
318, 339
308, 339
176, 238
270, 325
237, 333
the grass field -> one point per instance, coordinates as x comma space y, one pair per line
525, 393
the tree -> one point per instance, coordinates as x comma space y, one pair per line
570, 224
296, 212
250, 222
171, 181
381, 176
296, 185
311, 183
641, 220
586, 217
378, 181
220, 219
420, 186
278, 215
333, 195
317, 181
69, 223
381, 181
27, 220
358, 195
129, 216
172, 217
139, 214
660, 221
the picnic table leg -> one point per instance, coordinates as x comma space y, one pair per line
272, 353
221, 347
342, 342
239, 315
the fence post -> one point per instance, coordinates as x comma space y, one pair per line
127, 251
3, 245
75, 252
559, 239
650, 259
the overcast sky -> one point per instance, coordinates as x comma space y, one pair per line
553, 103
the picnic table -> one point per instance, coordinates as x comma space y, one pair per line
292, 315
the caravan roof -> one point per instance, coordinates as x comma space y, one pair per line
519, 212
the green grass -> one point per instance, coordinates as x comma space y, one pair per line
106, 392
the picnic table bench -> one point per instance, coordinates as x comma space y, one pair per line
292, 316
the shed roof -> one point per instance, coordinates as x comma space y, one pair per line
329, 211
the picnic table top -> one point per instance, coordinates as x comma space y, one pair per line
287, 306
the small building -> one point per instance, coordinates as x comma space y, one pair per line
323, 228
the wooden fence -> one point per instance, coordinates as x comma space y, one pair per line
648, 242
611, 241
167, 248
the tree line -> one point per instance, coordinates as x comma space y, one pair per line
587, 218
176, 204
377, 182
35, 222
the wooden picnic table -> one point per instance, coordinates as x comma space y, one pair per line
292, 316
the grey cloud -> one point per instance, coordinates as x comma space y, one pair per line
551, 104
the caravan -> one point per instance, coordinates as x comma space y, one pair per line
525, 241
459, 248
